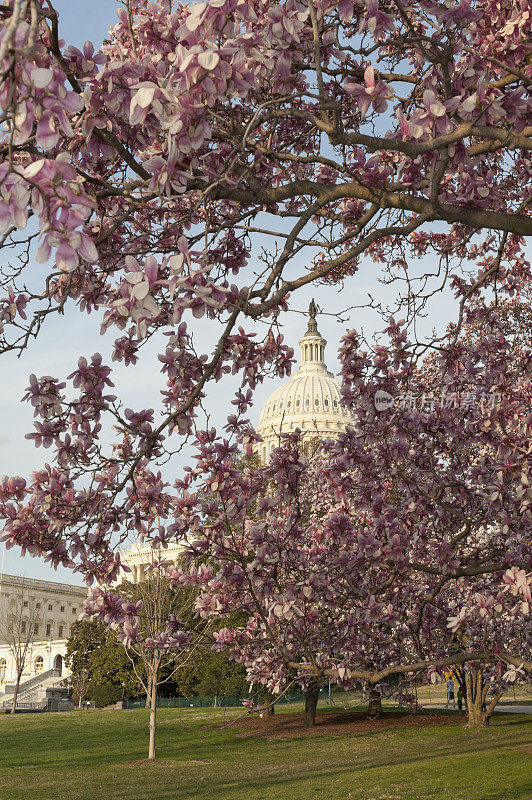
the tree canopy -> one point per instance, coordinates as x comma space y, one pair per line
205, 164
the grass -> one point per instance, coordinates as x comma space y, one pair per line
100, 756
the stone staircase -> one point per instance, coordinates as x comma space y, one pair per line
34, 692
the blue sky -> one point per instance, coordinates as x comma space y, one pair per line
64, 339
85, 19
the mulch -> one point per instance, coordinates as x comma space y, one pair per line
332, 723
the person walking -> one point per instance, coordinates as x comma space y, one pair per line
450, 692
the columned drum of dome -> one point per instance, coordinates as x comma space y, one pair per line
310, 400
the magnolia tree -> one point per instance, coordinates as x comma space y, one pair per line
401, 550
186, 169
153, 620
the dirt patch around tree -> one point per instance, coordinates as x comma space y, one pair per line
349, 723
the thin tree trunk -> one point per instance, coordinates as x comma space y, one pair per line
459, 674
375, 702
148, 693
311, 703
15, 693
153, 717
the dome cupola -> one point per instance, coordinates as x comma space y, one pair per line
310, 400
312, 345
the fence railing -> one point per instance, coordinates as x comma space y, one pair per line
354, 698
218, 701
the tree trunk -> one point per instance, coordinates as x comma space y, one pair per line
375, 703
459, 674
15, 693
269, 705
153, 717
476, 692
148, 693
311, 702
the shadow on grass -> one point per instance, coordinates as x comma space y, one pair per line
307, 783
290, 782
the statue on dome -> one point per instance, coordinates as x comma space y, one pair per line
312, 325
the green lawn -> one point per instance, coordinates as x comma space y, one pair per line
100, 756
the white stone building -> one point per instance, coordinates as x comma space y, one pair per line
139, 556
310, 400
52, 608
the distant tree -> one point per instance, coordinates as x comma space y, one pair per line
98, 663
209, 674
19, 625
80, 683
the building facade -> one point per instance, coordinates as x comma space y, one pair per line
139, 556
50, 609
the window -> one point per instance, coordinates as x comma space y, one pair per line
35, 627
23, 626
61, 630
49, 629
336, 403
50, 606
39, 664
62, 608
326, 402
38, 605
25, 603
74, 609
3, 666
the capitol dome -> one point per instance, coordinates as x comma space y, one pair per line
310, 400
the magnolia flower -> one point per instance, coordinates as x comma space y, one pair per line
456, 622
370, 94
513, 674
